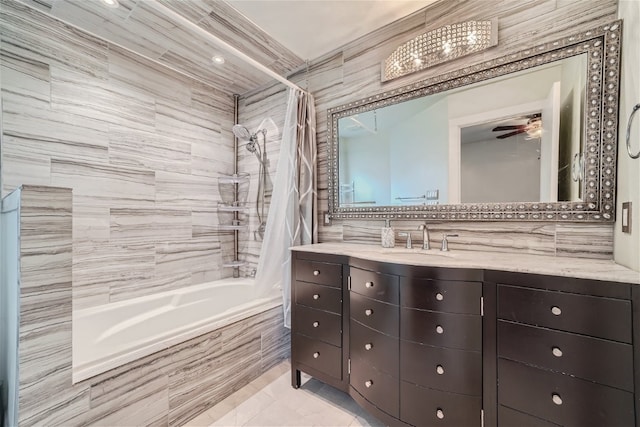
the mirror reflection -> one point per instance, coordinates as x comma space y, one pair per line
515, 138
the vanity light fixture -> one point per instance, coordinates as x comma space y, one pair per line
111, 3
440, 45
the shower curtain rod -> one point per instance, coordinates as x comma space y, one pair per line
222, 44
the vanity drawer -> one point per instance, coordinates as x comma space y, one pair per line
377, 387
323, 273
461, 331
446, 369
584, 314
375, 314
319, 296
422, 406
508, 417
562, 399
380, 350
319, 324
441, 295
382, 287
318, 355
594, 359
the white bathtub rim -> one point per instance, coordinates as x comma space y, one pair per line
85, 371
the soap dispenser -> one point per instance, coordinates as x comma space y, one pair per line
388, 235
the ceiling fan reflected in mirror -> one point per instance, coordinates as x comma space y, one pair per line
533, 128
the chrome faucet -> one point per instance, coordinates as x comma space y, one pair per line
425, 236
408, 236
445, 242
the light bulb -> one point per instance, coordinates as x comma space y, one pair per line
111, 3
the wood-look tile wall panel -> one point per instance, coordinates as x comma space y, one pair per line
169, 387
140, 145
352, 72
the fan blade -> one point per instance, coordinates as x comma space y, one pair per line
507, 135
512, 127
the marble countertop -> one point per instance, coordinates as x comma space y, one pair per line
524, 263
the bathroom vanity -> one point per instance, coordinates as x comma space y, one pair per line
426, 338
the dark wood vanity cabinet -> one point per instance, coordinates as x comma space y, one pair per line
317, 338
441, 350
424, 346
565, 351
374, 339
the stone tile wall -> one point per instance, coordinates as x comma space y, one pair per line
166, 388
141, 147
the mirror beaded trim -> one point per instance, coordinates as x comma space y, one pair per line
603, 46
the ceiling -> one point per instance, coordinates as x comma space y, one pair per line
280, 35
312, 28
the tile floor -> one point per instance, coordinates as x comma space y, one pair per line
271, 401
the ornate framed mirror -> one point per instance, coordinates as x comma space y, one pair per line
531, 136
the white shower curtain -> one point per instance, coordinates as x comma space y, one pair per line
292, 218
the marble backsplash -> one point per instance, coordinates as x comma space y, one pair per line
560, 239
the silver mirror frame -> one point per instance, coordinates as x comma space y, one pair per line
603, 46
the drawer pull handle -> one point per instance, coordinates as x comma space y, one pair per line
439, 296
316, 324
556, 351
440, 369
368, 346
316, 355
316, 272
368, 285
439, 329
556, 310
440, 413
368, 383
368, 312
316, 296
556, 399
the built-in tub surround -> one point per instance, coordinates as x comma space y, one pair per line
168, 387
605, 270
111, 335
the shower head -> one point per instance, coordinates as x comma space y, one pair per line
241, 132
251, 146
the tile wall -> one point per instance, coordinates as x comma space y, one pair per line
140, 146
353, 72
166, 388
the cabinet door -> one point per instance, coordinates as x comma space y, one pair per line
375, 314
323, 273
450, 296
319, 324
320, 297
422, 406
461, 331
379, 286
605, 362
600, 317
318, 355
380, 350
445, 369
377, 387
562, 399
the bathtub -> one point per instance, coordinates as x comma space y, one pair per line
111, 335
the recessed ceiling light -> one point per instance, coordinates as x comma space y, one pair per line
111, 3
217, 59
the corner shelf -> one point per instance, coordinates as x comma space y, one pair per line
233, 190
